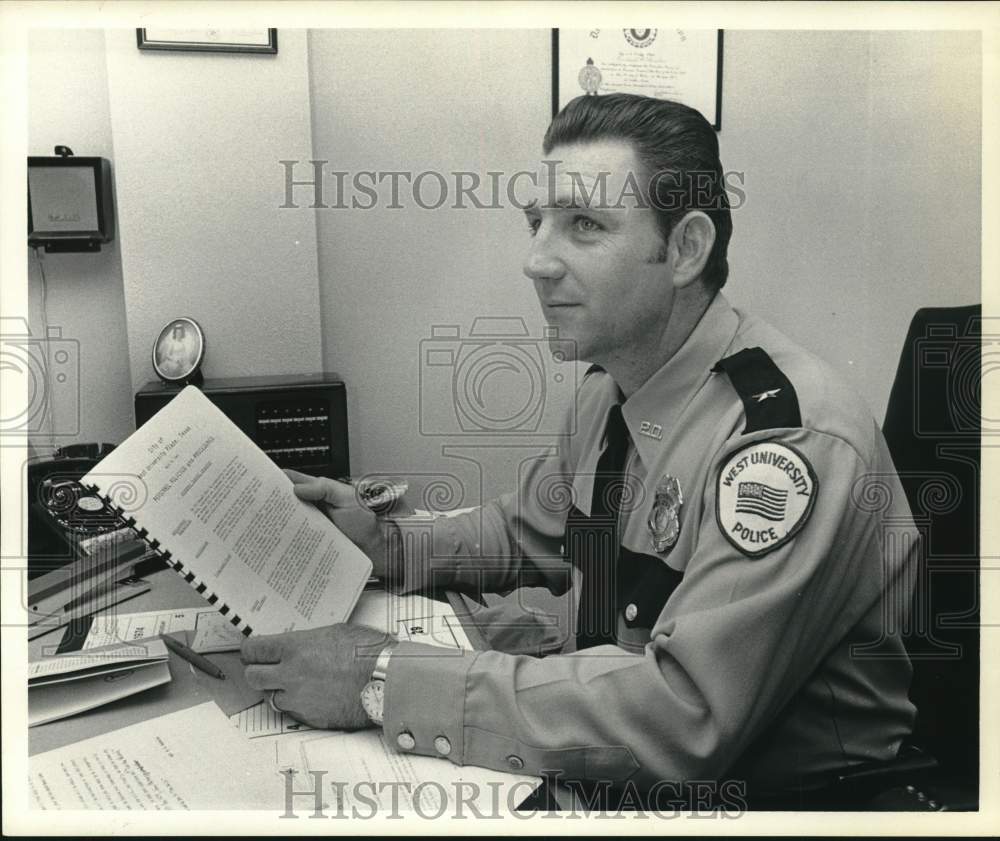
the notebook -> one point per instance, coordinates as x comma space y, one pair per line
224, 516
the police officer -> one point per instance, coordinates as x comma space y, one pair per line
727, 510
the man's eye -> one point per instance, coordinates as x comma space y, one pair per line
533, 226
586, 225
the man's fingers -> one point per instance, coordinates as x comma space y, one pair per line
261, 649
321, 489
263, 677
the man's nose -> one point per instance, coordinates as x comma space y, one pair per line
541, 262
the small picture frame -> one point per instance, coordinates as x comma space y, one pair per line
261, 40
179, 350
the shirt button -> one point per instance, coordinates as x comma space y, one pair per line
406, 741
631, 611
442, 745
515, 762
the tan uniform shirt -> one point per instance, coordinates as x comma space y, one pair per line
767, 663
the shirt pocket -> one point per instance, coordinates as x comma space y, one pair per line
643, 585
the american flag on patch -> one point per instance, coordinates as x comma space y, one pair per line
762, 500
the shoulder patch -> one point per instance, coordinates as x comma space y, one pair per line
765, 495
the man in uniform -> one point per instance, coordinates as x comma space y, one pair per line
727, 510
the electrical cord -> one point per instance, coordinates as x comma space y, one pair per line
48, 422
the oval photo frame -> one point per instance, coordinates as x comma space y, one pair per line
179, 350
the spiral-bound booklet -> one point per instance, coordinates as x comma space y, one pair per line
224, 516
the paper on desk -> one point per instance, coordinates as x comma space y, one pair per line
68, 684
191, 759
287, 748
215, 633
411, 617
232, 694
212, 631
106, 659
110, 628
260, 720
366, 764
66, 697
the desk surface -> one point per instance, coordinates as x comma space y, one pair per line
187, 686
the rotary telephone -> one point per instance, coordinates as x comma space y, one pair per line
61, 511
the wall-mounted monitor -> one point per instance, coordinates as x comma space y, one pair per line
70, 203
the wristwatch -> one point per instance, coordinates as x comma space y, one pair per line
373, 695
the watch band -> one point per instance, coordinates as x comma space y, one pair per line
382, 664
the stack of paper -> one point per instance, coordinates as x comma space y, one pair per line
67, 684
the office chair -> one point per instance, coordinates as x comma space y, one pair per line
932, 428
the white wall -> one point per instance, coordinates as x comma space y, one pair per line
68, 106
434, 100
862, 160
198, 138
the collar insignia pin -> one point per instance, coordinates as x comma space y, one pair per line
651, 430
765, 395
664, 519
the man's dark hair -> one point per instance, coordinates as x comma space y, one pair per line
678, 149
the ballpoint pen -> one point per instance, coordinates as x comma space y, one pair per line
193, 657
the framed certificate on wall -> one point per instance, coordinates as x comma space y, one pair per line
684, 65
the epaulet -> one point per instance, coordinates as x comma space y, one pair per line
769, 398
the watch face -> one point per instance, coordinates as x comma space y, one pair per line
178, 350
373, 700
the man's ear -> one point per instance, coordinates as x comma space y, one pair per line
691, 242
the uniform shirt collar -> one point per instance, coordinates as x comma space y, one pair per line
658, 403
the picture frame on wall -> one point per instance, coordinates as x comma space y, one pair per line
684, 65
261, 40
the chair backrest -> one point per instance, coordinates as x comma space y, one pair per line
933, 427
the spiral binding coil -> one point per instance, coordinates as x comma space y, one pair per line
178, 567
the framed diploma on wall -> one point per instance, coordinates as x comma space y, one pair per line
680, 64
260, 40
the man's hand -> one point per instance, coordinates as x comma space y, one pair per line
317, 675
340, 503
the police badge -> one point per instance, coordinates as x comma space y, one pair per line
664, 520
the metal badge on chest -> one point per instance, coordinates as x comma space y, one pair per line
664, 518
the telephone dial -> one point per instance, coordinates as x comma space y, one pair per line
61, 511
